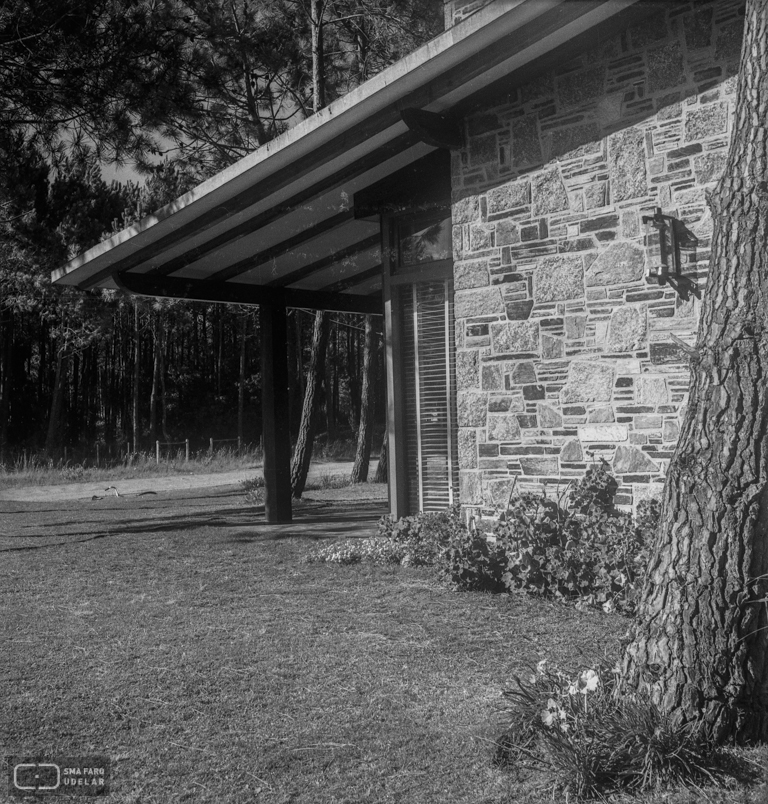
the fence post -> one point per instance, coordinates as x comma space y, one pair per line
98, 461
157, 452
186, 446
211, 448
239, 445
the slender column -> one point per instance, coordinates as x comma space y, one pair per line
396, 466
274, 413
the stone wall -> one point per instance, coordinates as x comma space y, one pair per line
564, 351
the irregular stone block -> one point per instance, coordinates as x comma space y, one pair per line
549, 193
519, 310
698, 28
596, 195
670, 431
507, 233
533, 392
523, 374
575, 326
549, 418
470, 488
503, 427
480, 237
575, 141
472, 409
709, 167
515, 336
509, 196
647, 422
619, 263
483, 150
506, 404
662, 353
628, 329
498, 491
467, 449
539, 466
551, 348
652, 391
467, 374
729, 38
706, 121
559, 278
665, 66
603, 415
492, 377
526, 147
478, 302
626, 164
584, 86
473, 274
572, 452
466, 210
603, 433
630, 460
588, 382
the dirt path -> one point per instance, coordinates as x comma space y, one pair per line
142, 485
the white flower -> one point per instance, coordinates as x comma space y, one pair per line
540, 666
588, 681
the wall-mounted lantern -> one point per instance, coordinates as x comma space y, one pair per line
663, 254
660, 247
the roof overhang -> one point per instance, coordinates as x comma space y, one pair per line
281, 222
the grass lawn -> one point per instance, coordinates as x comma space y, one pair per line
182, 637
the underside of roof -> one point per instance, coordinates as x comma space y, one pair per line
295, 222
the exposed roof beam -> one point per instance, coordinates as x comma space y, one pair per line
249, 263
351, 281
318, 265
240, 293
341, 177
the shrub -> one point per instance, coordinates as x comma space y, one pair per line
587, 551
411, 541
252, 488
576, 729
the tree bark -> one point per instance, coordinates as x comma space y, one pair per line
302, 454
381, 475
57, 402
367, 401
317, 8
700, 644
156, 369
6, 363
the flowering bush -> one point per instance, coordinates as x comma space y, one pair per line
585, 551
576, 729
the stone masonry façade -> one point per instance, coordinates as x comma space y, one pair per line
564, 351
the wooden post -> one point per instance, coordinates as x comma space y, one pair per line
98, 461
274, 414
210, 440
239, 445
186, 450
157, 452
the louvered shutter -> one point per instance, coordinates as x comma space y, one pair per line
429, 366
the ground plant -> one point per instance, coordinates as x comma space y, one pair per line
583, 739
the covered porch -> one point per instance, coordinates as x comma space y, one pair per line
351, 211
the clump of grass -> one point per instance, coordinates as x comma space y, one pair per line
329, 480
587, 741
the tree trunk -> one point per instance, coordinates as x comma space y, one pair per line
318, 69
303, 453
700, 644
57, 402
381, 475
5, 380
330, 383
367, 401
